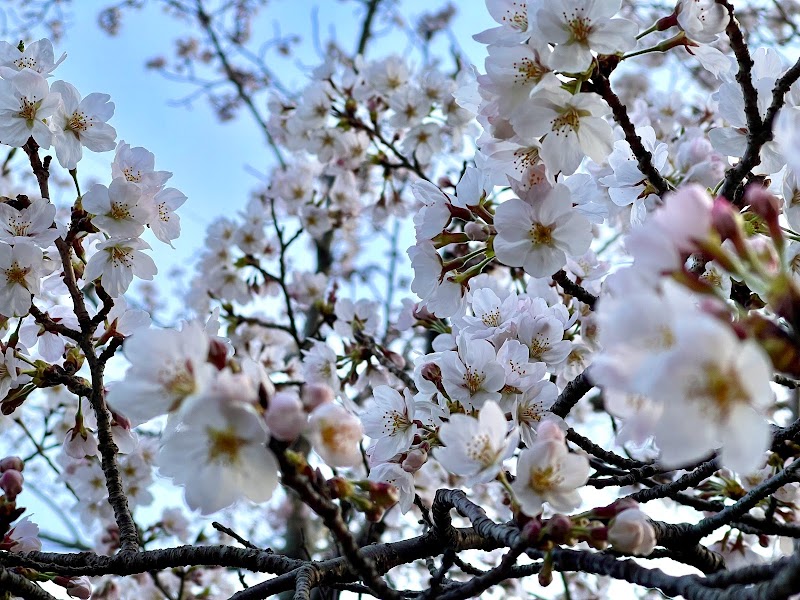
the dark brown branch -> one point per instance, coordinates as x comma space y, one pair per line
643, 157
575, 290
17, 585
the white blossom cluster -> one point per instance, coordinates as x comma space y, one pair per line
583, 239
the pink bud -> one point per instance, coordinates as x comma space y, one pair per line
632, 532
767, 207
476, 232
316, 394
285, 417
80, 588
414, 460
558, 528
11, 462
11, 483
762, 202
431, 372
724, 218
613, 509
550, 429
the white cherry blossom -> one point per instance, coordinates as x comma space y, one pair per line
578, 27
472, 375
81, 122
224, 439
21, 272
117, 261
167, 367
389, 419
476, 448
573, 126
26, 103
548, 472
539, 237
119, 208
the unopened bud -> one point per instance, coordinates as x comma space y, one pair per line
341, 488
285, 417
11, 483
383, 494
431, 372
532, 529
766, 206
476, 232
613, 509
11, 462
316, 394
396, 359
558, 528
414, 460
74, 359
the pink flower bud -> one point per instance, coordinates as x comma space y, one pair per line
767, 207
414, 460
616, 507
476, 232
80, 587
632, 532
558, 528
11, 483
11, 462
316, 394
431, 372
725, 219
383, 494
550, 429
285, 417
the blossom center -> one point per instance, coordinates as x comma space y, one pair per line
27, 109
16, 274
528, 70
121, 256
566, 121
25, 62
544, 480
224, 446
491, 318
473, 380
78, 122
479, 449
132, 175
119, 211
722, 387
394, 421
541, 234
525, 158
517, 16
19, 226
579, 26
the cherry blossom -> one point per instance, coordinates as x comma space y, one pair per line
390, 421
573, 126
538, 238
225, 439
26, 103
547, 472
579, 27
117, 261
81, 122
476, 448
21, 271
